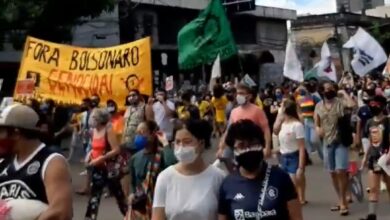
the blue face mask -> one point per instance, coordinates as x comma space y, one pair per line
44, 108
140, 142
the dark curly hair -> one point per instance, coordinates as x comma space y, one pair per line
245, 130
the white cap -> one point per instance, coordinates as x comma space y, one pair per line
19, 116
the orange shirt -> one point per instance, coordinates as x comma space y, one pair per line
98, 147
117, 123
251, 112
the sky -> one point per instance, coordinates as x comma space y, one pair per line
304, 6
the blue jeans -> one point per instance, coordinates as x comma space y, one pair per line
312, 141
336, 157
290, 162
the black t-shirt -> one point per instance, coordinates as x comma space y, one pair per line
378, 133
364, 115
26, 181
239, 196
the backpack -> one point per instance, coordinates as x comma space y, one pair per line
345, 130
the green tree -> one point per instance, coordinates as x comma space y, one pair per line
380, 35
47, 19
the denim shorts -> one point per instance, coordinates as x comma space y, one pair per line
335, 157
290, 162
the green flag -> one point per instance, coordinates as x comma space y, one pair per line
313, 74
201, 40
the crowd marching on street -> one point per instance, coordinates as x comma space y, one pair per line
145, 145
149, 154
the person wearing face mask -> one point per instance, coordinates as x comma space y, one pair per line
327, 115
95, 101
134, 115
161, 110
145, 165
189, 189
256, 190
116, 120
377, 131
364, 114
247, 110
36, 170
104, 147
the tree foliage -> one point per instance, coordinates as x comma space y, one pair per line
48, 19
379, 34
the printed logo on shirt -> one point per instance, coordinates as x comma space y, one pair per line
5, 172
33, 168
239, 197
272, 193
240, 214
15, 189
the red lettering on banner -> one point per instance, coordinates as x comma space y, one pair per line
79, 85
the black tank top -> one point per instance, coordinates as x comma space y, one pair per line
26, 180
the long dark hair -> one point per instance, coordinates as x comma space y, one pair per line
290, 108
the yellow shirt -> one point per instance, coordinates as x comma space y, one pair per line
258, 102
203, 106
182, 113
220, 108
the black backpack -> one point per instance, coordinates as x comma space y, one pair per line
345, 130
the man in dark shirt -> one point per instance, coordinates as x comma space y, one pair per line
256, 190
37, 172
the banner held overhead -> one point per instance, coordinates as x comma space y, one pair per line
68, 74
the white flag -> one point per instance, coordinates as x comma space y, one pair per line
368, 53
386, 71
215, 72
326, 67
248, 81
292, 67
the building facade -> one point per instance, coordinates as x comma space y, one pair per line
336, 28
358, 5
261, 36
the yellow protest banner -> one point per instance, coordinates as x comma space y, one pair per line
68, 74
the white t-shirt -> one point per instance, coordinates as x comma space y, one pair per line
289, 135
188, 197
162, 119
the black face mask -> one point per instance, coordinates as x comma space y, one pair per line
366, 101
330, 94
375, 110
94, 104
250, 160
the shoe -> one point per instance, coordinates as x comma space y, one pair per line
369, 217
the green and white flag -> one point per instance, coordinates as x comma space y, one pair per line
201, 40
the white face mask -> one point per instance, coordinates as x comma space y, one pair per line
387, 93
241, 100
185, 155
111, 109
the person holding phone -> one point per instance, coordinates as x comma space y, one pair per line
162, 110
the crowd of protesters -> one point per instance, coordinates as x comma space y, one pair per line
148, 154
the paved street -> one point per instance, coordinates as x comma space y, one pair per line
319, 194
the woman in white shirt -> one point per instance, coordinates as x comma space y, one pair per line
189, 189
290, 131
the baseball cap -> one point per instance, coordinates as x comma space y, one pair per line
19, 116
